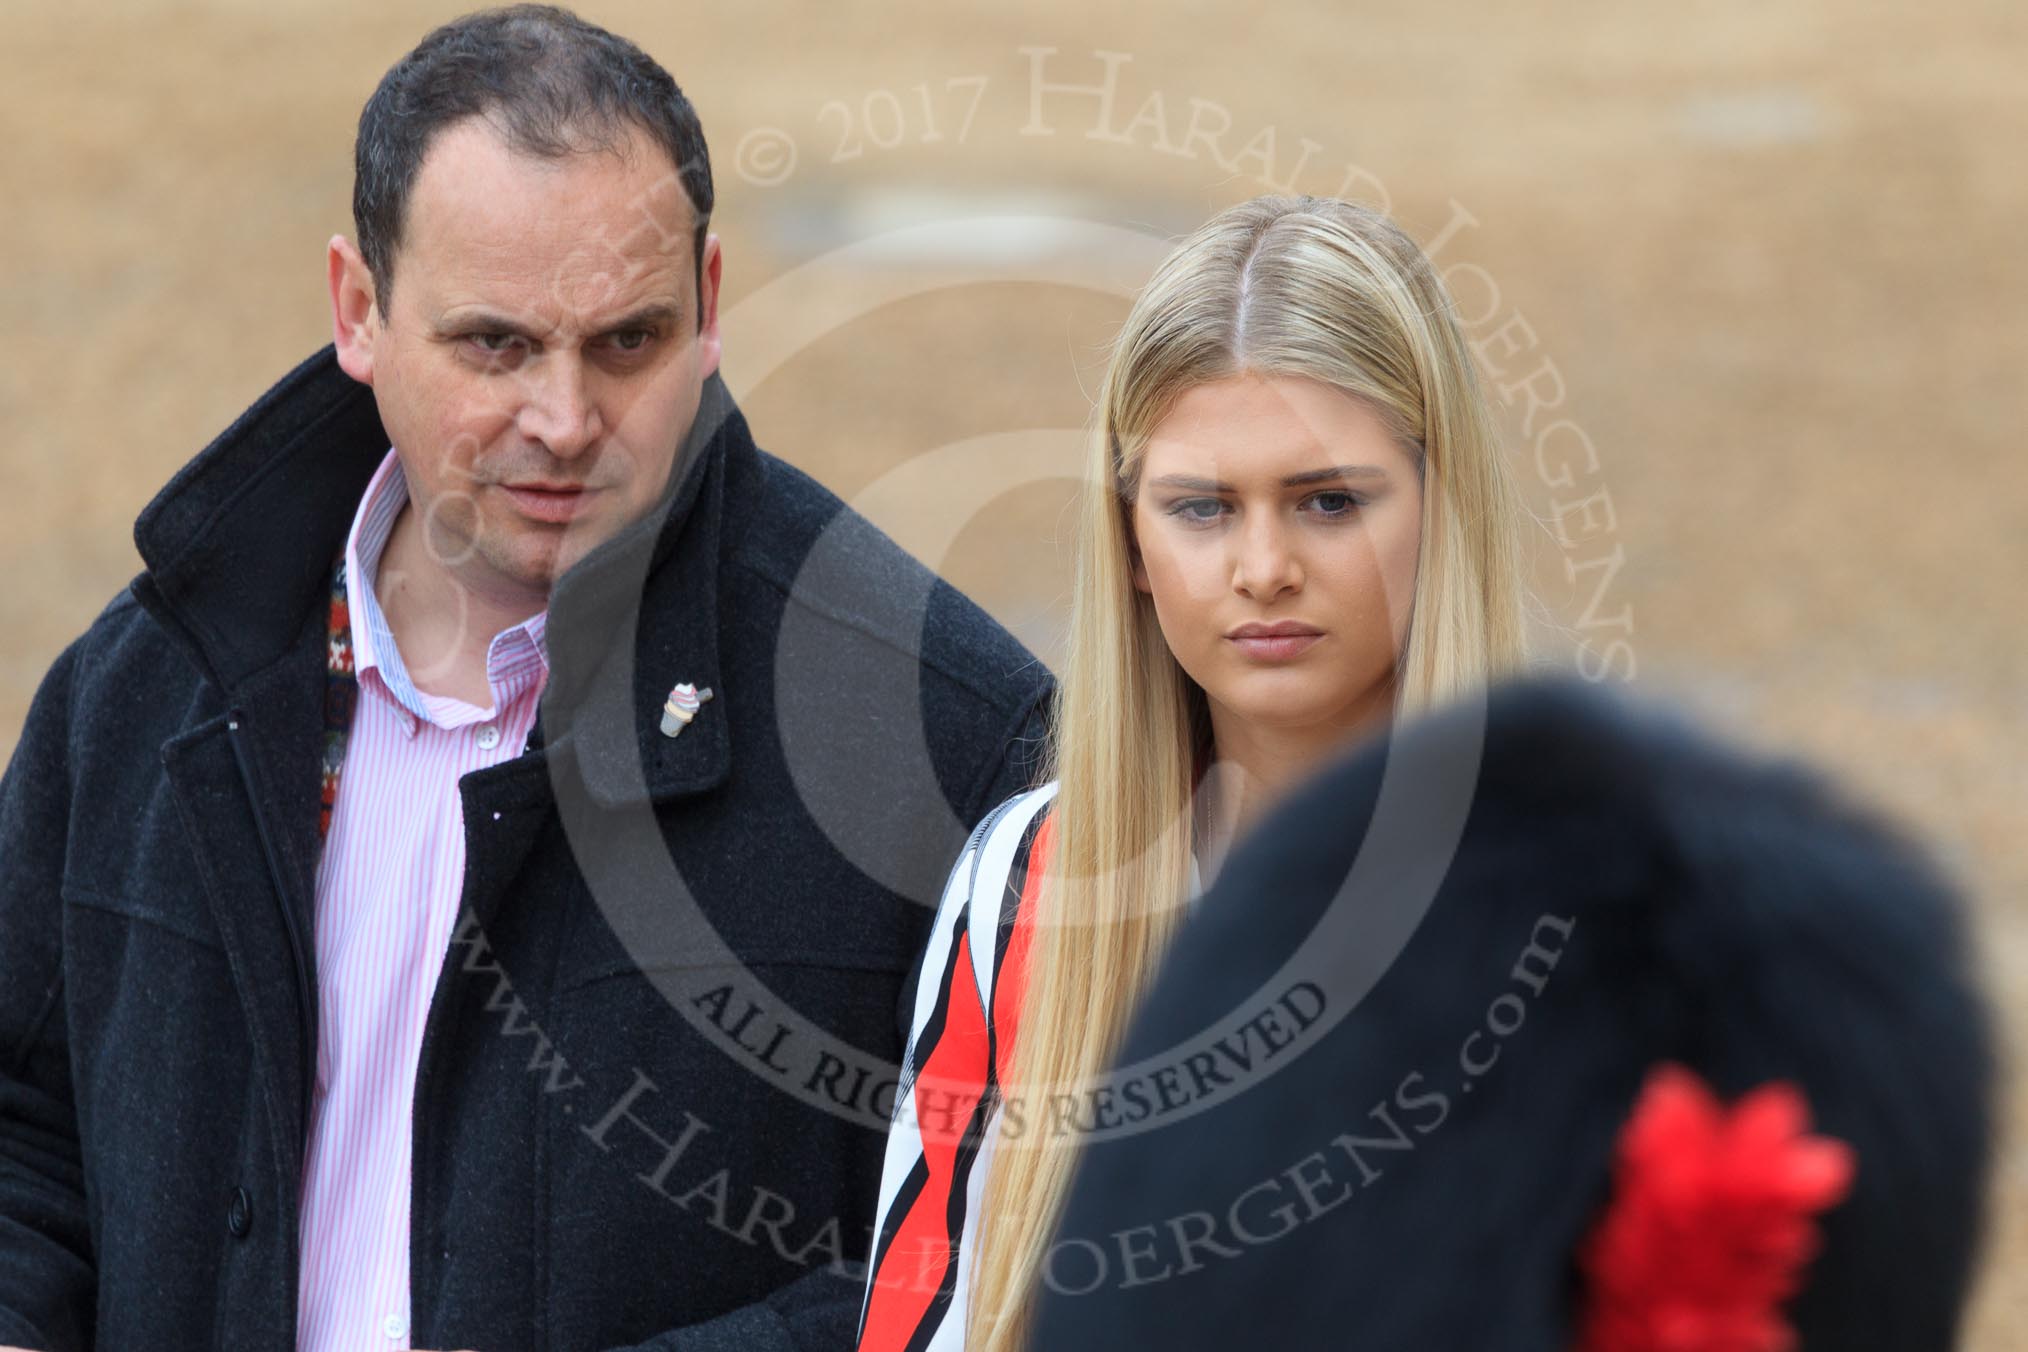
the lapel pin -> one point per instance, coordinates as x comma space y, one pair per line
682, 706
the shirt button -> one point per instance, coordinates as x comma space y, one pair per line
489, 736
394, 1326
239, 1215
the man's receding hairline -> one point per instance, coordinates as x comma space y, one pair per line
624, 146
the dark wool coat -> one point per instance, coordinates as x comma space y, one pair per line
620, 1130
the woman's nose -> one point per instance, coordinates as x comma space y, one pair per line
1265, 563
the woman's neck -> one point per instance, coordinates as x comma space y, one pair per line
1253, 767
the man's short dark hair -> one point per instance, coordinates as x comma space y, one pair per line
549, 83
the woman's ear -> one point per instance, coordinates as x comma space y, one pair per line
1134, 559
1135, 562
1127, 488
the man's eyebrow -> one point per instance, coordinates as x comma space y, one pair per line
484, 321
647, 317
1190, 483
489, 321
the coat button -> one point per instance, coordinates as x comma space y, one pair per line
239, 1215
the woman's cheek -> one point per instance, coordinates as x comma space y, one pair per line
1181, 601
1399, 564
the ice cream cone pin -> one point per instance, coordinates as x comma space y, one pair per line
682, 706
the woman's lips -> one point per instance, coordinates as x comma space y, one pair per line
551, 505
1274, 643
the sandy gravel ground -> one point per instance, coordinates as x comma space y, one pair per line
1766, 259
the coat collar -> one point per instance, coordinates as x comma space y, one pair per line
238, 546
238, 550
639, 614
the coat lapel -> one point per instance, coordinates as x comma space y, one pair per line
260, 926
239, 548
637, 615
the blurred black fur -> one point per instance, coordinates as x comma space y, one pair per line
1736, 916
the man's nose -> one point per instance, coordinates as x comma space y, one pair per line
558, 409
1265, 563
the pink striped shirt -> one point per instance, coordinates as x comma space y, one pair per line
388, 889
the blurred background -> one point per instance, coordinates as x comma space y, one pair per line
1748, 280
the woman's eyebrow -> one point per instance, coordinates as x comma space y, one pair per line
1332, 473
1190, 483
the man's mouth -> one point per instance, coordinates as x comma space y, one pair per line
549, 502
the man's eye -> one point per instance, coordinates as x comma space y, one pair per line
494, 344
631, 340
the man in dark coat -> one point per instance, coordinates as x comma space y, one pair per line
676, 906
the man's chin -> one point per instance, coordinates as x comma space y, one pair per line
535, 557
530, 567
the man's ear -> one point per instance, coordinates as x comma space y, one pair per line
707, 305
355, 316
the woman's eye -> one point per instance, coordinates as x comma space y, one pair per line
1198, 509
1335, 504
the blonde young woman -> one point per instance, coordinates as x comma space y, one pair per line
1303, 525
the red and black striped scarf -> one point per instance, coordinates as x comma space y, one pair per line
341, 695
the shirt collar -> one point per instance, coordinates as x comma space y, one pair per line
514, 656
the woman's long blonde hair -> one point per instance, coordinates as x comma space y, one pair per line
1278, 286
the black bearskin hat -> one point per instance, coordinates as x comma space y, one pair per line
1375, 1097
